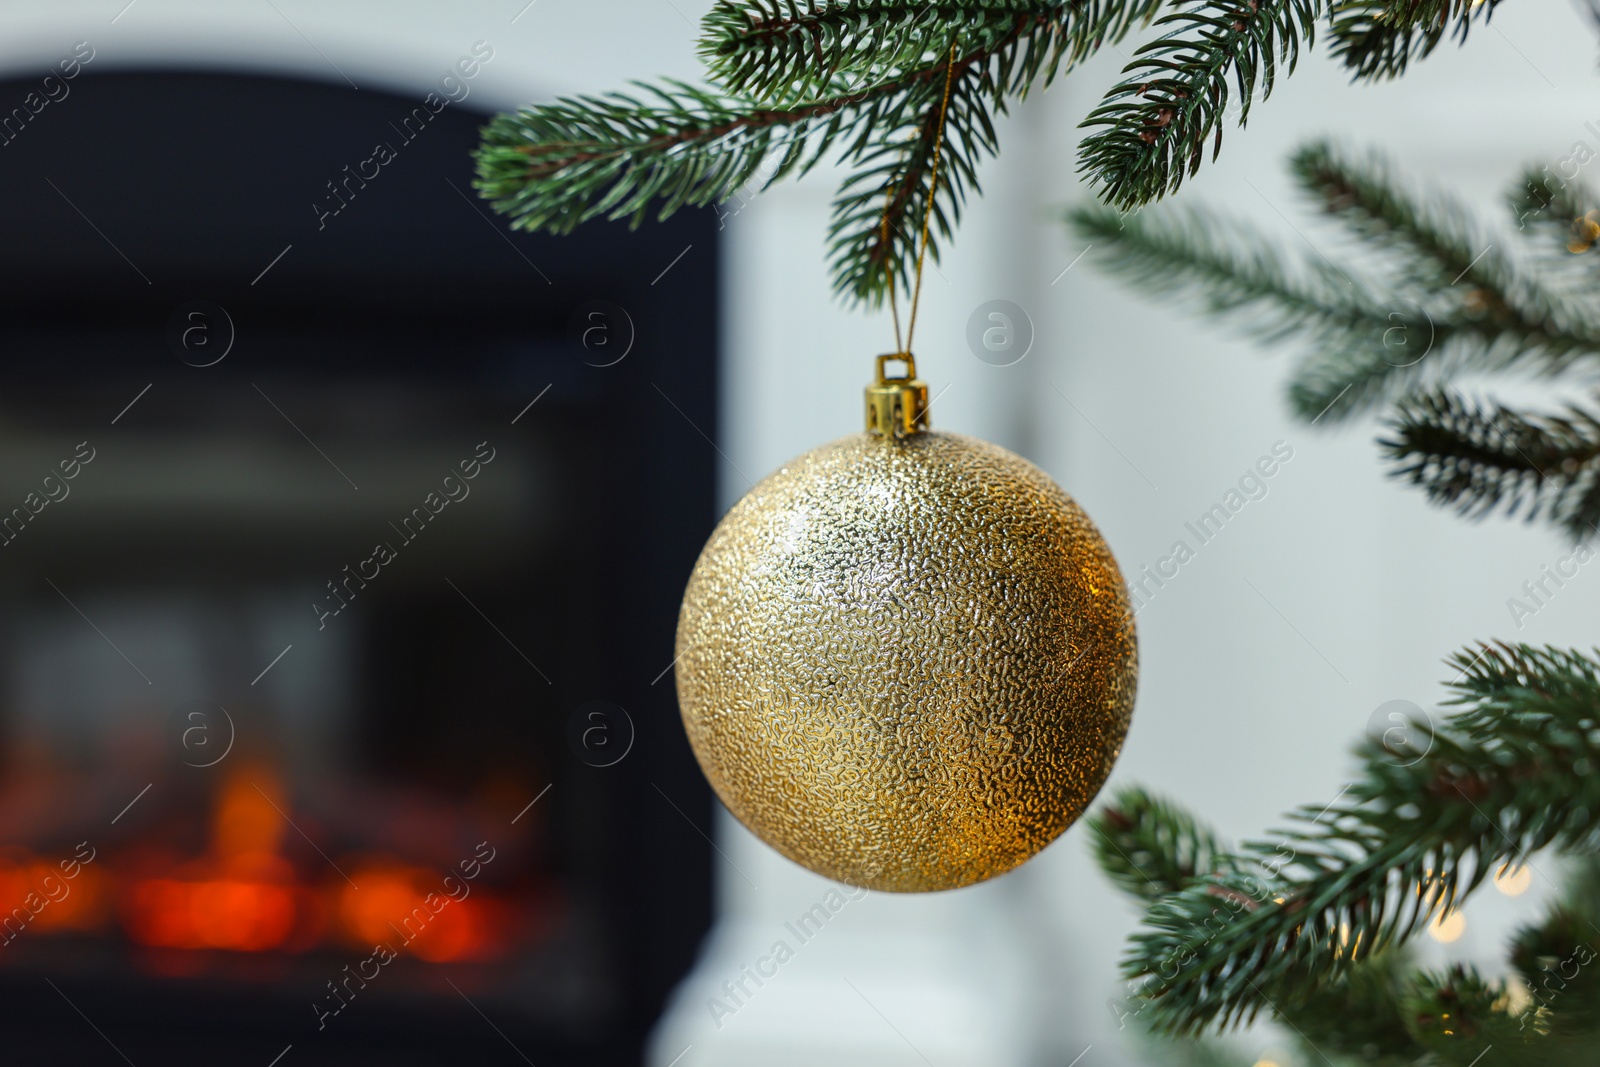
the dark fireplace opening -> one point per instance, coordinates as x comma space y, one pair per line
339, 565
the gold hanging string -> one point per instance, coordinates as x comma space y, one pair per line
888, 271
933, 189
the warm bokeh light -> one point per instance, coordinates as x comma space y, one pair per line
459, 932
77, 904
1272, 1057
1517, 996
244, 894
1347, 946
385, 895
222, 913
1513, 881
240, 897
1447, 928
245, 822
391, 907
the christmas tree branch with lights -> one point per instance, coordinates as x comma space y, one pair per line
1303, 925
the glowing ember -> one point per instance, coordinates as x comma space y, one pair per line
406, 906
51, 897
241, 897
244, 916
244, 895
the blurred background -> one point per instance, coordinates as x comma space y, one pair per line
265, 348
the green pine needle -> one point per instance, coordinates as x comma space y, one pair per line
779, 47
1361, 1014
1433, 240
878, 214
1232, 271
1362, 343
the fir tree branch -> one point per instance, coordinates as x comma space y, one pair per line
1457, 1016
779, 48
1003, 48
1548, 203
1484, 310
1477, 457
1557, 960
1434, 243
1150, 846
877, 216
1361, 1015
868, 74
800, 78
1560, 221
1231, 268
552, 167
1175, 94
1361, 343
1409, 839
1378, 38
1454, 299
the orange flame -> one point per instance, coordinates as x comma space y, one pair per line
407, 906
241, 897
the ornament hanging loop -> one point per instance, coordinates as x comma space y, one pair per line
897, 407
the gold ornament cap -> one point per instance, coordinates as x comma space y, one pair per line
897, 407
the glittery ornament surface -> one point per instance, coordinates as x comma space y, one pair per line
906, 664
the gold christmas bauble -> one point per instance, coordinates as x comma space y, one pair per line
906, 662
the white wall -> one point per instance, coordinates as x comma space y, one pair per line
1248, 700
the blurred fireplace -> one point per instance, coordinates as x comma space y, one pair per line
261, 745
